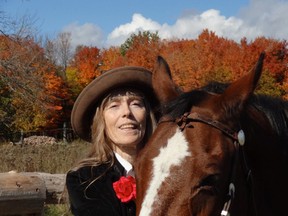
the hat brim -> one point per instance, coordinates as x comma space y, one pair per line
85, 105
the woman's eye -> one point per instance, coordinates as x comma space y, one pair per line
112, 105
137, 103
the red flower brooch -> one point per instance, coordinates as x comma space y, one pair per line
125, 188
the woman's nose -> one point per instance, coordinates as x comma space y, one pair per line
126, 110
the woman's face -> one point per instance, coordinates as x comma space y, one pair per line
125, 118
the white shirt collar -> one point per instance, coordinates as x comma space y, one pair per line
127, 166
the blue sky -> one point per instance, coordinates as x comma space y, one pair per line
109, 22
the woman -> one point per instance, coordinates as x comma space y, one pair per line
114, 113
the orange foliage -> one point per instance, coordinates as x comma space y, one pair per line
87, 62
36, 90
111, 58
25, 70
143, 50
58, 95
210, 57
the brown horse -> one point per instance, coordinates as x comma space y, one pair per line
217, 150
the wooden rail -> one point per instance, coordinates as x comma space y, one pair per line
26, 193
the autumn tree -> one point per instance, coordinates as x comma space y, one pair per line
275, 63
212, 58
17, 72
180, 57
6, 109
84, 67
141, 49
111, 58
27, 101
196, 62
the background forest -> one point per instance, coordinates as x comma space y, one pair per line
41, 78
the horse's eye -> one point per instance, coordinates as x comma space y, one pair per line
209, 184
210, 180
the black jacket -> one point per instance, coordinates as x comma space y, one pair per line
100, 197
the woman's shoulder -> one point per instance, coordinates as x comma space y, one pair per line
88, 172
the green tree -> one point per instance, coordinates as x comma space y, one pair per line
145, 37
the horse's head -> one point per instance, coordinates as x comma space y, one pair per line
188, 164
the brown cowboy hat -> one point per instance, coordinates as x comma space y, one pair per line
85, 105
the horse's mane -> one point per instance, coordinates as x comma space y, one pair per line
275, 109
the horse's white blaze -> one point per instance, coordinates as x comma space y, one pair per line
171, 155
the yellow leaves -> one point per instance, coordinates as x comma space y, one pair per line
28, 118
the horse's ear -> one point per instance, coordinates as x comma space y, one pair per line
236, 95
162, 82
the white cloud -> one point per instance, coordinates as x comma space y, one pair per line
138, 23
267, 18
188, 27
87, 34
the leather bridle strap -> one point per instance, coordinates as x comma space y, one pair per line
193, 116
189, 117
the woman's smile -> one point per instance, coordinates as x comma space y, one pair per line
128, 126
125, 119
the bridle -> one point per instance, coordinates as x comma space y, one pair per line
238, 139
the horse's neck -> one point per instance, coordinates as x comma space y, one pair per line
269, 166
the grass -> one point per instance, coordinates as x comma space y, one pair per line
57, 210
57, 158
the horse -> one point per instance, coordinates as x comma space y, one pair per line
217, 150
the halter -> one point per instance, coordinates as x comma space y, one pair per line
238, 140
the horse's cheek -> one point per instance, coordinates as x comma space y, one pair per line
203, 205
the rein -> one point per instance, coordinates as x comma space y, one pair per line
238, 139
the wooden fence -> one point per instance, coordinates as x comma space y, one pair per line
25, 193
